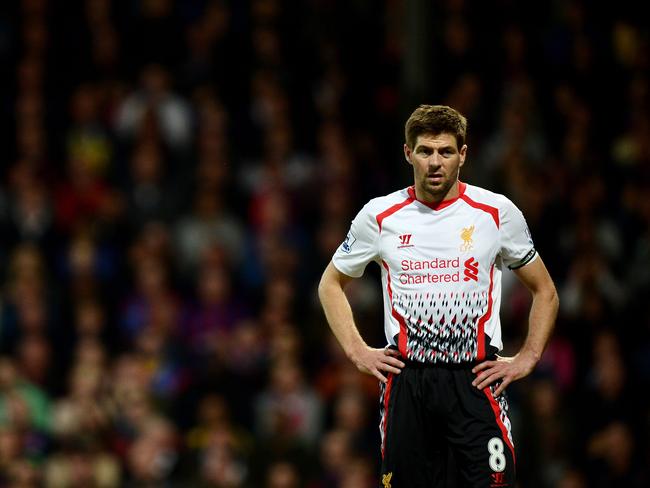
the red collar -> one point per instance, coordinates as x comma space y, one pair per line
442, 204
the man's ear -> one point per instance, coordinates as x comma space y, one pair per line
407, 154
463, 154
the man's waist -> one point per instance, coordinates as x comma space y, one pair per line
439, 362
413, 364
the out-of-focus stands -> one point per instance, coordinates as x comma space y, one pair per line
176, 175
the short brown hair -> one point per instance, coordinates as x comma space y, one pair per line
435, 119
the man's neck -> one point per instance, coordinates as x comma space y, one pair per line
452, 193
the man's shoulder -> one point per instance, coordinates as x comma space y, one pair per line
487, 197
380, 204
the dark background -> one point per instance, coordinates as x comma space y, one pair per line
175, 176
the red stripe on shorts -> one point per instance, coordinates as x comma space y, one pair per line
389, 387
497, 413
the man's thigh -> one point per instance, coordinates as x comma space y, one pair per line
415, 453
479, 433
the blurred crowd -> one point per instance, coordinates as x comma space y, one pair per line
175, 175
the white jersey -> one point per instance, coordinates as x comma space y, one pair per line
441, 269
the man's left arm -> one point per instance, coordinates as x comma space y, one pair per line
540, 325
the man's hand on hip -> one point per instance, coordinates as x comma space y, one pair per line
376, 361
506, 369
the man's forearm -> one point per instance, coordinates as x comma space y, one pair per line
339, 317
541, 321
338, 312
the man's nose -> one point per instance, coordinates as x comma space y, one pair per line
435, 159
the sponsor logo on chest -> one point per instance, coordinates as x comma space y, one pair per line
449, 269
466, 239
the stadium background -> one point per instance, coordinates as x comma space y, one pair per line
176, 175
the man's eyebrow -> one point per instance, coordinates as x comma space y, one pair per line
446, 147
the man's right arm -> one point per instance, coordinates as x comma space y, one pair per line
339, 317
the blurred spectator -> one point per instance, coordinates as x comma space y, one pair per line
30, 217
210, 224
351, 415
84, 199
222, 448
153, 454
360, 473
217, 311
152, 302
84, 412
335, 453
546, 448
155, 98
25, 410
288, 411
572, 479
282, 475
613, 450
149, 197
81, 467
88, 139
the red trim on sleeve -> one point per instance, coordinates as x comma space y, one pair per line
391, 210
389, 387
497, 414
401, 346
493, 211
480, 354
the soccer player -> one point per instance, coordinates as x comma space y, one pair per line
442, 245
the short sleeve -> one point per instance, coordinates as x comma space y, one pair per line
517, 247
360, 245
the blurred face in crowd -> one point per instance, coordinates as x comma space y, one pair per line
436, 161
214, 285
10, 444
282, 475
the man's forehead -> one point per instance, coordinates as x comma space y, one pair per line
436, 140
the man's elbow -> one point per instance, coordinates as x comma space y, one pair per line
322, 287
326, 283
551, 295
546, 292
330, 283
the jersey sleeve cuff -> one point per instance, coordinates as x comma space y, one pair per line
343, 269
529, 257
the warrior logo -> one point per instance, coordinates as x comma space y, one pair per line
405, 241
498, 480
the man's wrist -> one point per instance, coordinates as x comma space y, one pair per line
355, 352
530, 355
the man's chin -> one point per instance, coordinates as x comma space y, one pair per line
436, 191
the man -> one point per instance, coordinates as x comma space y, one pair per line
441, 245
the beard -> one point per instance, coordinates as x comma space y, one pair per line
439, 189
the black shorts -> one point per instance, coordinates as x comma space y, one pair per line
431, 414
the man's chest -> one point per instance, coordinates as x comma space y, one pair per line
419, 242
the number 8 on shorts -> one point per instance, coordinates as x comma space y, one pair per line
497, 458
